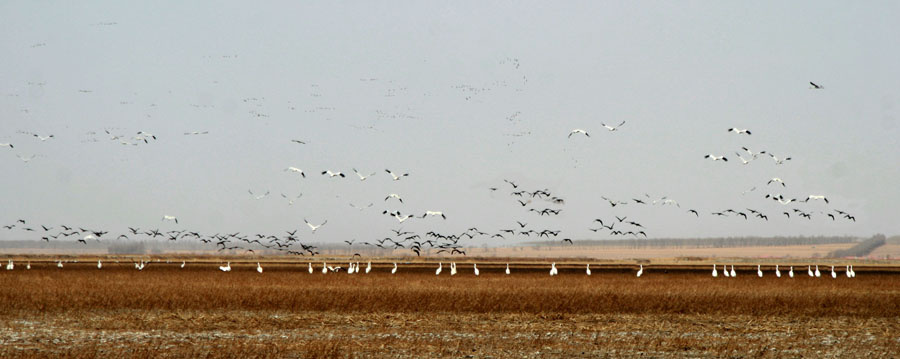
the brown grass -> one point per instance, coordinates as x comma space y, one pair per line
80, 311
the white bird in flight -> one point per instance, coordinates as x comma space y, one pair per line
816, 197
43, 138
258, 197
716, 158
779, 161
296, 170
7, 145
578, 130
312, 227
434, 213
394, 195
777, 180
361, 208
361, 176
612, 128
396, 177
743, 161
26, 159
333, 174
739, 130
291, 200
169, 218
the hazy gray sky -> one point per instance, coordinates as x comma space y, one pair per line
461, 95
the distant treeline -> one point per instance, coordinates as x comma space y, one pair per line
727, 242
862, 249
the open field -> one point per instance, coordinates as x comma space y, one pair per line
671, 311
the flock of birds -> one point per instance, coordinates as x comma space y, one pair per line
540, 202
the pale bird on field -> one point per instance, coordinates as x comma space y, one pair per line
852, 272
439, 268
225, 268
733, 273
759, 271
791, 273
324, 268
28, 266
809, 271
394, 271
10, 265
818, 274
369, 267
182, 264
452, 268
833, 274
715, 273
588, 271
259, 268
475, 268
59, 264
725, 271
507, 269
99, 264
777, 271
553, 270
310, 268
640, 271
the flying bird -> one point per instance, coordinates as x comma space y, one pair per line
312, 227
258, 197
612, 128
779, 161
7, 145
775, 179
169, 218
333, 174
42, 138
396, 177
434, 213
716, 158
291, 200
814, 86
578, 130
816, 197
361, 177
739, 130
296, 170
394, 195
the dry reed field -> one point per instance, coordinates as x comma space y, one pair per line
199, 311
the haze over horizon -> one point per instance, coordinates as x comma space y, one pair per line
461, 96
